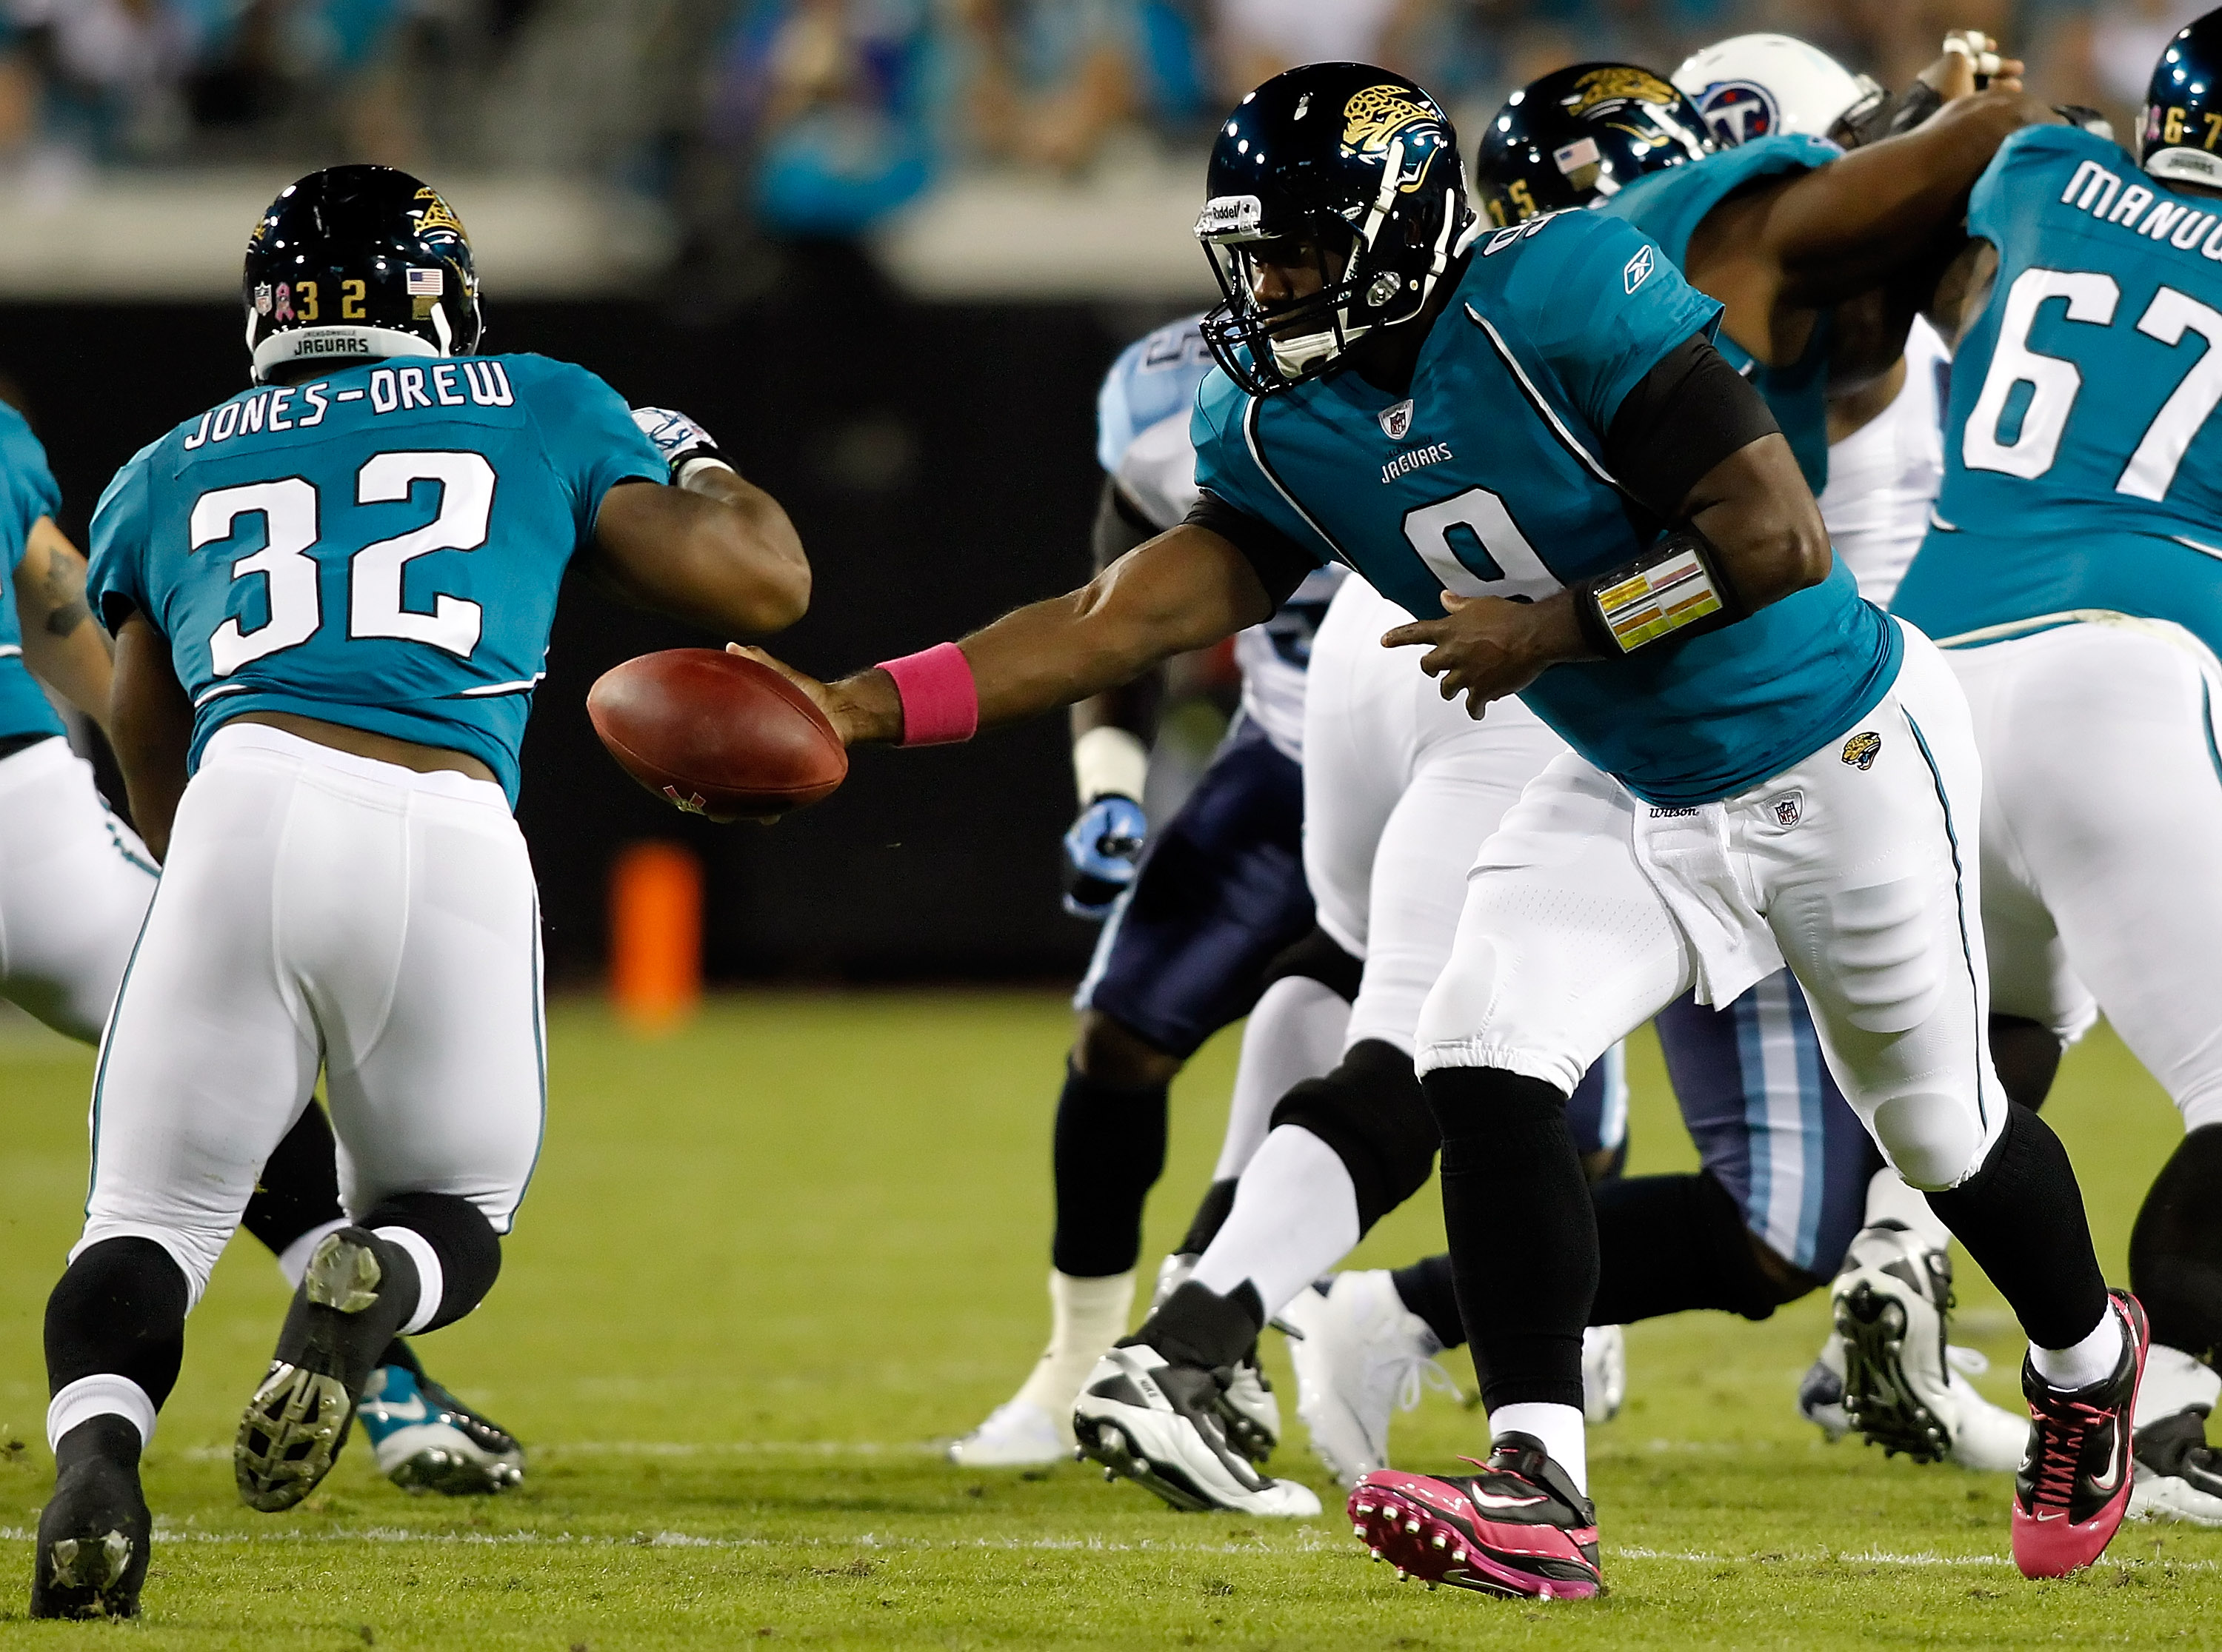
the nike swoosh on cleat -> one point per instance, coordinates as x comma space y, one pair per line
2111, 1479
2043, 1515
415, 1411
1492, 1500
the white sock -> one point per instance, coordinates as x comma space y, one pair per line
1559, 1427
1889, 1200
2092, 1360
102, 1394
1294, 1033
431, 1277
1086, 1316
1294, 1217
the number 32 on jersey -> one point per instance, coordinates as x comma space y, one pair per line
2091, 298
291, 509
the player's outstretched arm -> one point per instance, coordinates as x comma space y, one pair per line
1185, 589
720, 552
1838, 231
151, 726
62, 645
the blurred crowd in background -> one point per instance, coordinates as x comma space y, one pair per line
818, 119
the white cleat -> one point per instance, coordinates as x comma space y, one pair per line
1987, 1438
1018, 1434
1363, 1356
1251, 1412
1160, 1423
1604, 1372
2179, 1476
1821, 1392
1904, 1388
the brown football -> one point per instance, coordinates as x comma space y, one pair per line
717, 733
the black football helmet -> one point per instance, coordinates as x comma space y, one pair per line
355, 263
1346, 165
2182, 118
1576, 136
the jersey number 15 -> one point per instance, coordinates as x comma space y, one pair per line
292, 578
2053, 382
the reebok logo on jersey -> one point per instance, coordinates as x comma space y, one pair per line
1638, 269
1405, 463
1396, 420
1863, 748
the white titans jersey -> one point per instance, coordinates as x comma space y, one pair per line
1156, 474
1884, 476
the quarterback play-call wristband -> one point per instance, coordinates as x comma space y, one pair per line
1670, 589
940, 702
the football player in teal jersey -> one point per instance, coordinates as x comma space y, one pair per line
331, 597
1532, 430
75, 882
2073, 573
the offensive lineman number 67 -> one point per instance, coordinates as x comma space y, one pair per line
289, 509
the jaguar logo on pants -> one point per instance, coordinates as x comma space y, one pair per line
1863, 748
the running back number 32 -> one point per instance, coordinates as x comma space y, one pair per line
289, 508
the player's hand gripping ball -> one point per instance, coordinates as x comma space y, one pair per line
717, 733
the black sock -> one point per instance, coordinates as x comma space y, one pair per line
2026, 1055
1427, 1289
2175, 1250
299, 1187
1669, 1243
2021, 1217
398, 1352
1523, 1238
121, 1309
464, 1241
1109, 1150
1211, 1214
1197, 1326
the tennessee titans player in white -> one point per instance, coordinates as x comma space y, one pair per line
1765, 769
1192, 925
331, 597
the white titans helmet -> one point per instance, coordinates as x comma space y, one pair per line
1753, 86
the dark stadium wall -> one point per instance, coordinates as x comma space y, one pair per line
938, 461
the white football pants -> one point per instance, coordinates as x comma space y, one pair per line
319, 910
74, 885
2102, 841
1401, 787
1865, 877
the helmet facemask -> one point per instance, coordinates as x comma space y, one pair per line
1366, 279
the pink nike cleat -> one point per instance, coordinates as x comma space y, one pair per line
2073, 1487
1517, 1529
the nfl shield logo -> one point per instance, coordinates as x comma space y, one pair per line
1396, 420
1788, 807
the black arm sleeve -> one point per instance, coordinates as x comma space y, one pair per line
1280, 562
1682, 418
1119, 527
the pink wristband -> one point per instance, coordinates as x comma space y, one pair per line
940, 702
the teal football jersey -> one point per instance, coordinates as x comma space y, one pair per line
2082, 465
1485, 481
1668, 205
26, 493
380, 549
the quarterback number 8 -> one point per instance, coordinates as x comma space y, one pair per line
289, 509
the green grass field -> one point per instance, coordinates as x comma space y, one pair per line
768, 1261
